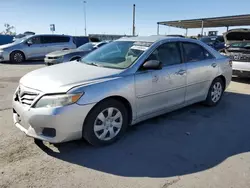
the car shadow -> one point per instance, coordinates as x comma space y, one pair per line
241, 80
28, 62
186, 141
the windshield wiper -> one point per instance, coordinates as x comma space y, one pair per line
94, 64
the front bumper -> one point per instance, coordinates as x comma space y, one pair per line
241, 68
51, 61
67, 121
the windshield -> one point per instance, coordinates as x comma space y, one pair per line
19, 40
240, 45
118, 54
86, 47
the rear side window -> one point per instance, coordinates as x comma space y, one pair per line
63, 39
194, 52
55, 39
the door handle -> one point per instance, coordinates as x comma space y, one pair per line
214, 65
180, 72
155, 78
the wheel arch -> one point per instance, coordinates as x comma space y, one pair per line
17, 51
120, 99
223, 79
75, 57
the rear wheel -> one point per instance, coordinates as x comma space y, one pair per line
17, 57
215, 92
106, 123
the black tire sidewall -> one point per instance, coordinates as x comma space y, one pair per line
12, 57
209, 100
88, 127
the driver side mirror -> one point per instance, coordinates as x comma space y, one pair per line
29, 42
152, 65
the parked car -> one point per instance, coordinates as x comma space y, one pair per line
176, 36
5, 39
120, 84
217, 42
238, 49
80, 40
34, 47
71, 55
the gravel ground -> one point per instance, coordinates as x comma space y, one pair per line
192, 147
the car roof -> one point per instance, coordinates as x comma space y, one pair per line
152, 38
51, 35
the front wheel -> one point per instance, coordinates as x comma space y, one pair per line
17, 57
106, 123
215, 92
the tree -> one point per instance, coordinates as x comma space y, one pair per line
8, 29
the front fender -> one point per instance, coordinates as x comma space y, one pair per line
96, 92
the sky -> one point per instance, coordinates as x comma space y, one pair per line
112, 16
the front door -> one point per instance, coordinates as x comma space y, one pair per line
201, 70
36, 49
161, 89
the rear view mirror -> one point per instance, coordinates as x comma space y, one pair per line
152, 65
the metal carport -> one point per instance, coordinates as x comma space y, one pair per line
225, 21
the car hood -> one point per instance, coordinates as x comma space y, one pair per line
2, 47
62, 77
61, 53
236, 35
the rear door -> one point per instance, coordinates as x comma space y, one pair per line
201, 70
55, 43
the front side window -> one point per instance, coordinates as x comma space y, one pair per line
117, 54
54, 39
36, 40
194, 52
168, 54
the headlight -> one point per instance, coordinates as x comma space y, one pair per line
60, 58
49, 101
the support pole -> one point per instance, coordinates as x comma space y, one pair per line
133, 33
227, 28
158, 28
202, 27
186, 32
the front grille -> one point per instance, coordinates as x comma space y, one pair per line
24, 96
52, 57
242, 58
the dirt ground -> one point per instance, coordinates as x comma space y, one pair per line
195, 147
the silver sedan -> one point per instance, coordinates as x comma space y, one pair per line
120, 84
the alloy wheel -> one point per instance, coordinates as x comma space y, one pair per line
216, 92
18, 57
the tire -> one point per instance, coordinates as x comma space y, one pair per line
215, 92
17, 57
97, 129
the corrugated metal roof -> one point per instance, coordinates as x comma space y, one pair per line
226, 21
